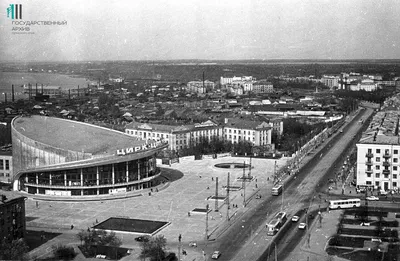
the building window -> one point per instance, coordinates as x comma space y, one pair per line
377, 167
1, 164
395, 160
7, 164
395, 151
394, 184
378, 159
369, 151
376, 175
394, 167
368, 183
368, 175
394, 176
378, 150
377, 183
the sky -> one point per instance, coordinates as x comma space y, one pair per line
201, 29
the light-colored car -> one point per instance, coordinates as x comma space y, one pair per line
383, 192
295, 218
372, 198
216, 255
302, 225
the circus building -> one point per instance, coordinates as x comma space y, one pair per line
61, 158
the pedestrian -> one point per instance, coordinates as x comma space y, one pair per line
72, 227
212, 178
189, 214
37, 204
97, 221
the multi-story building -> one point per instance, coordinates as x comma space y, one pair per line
177, 137
330, 81
258, 133
200, 86
12, 217
263, 87
378, 153
6, 165
229, 80
366, 85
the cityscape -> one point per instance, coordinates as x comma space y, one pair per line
197, 136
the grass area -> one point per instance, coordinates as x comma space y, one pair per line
35, 239
131, 225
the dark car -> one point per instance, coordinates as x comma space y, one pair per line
142, 239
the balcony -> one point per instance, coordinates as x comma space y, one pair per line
386, 155
386, 172
369, 155
368, 162
386, 163
369, 171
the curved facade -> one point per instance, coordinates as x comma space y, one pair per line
57, 157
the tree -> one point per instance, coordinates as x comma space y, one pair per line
62, 252
14, 250
154, 248
82, 235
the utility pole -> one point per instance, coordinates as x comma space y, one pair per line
216, 194
12, 94
228, 204
283, 190
244, 185
206, 235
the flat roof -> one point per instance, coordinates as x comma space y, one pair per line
74, 135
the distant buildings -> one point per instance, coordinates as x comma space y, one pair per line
200, 86
263, 87
12, 217
330, 81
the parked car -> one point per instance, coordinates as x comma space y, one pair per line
216, 255
372, 198
383, 192
302, 225
295, 218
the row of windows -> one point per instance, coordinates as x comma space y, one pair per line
4, 174
378, 167
240, 132
378, 175
4, 164
377, 183
387, 151
378, 159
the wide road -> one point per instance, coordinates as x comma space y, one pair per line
246, 239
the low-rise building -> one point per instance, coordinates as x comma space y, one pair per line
263, 87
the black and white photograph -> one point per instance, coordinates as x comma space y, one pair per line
199, 130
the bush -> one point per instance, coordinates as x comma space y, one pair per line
62, 252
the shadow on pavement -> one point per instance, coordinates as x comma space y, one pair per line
171, 174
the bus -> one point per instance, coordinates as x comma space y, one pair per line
276, 223
277, 190
345, 203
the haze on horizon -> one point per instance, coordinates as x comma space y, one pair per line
204, 29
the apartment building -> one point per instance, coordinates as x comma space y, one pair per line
200, 86
6, 168
258, 133
378, 153
179, 137
12, 217
263, 87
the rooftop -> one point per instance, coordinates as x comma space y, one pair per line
74, 135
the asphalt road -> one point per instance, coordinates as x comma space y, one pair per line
246, 239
